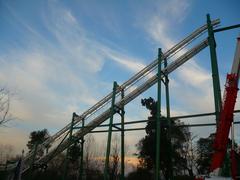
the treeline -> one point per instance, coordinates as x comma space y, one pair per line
182, 155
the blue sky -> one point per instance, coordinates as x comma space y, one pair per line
60, 57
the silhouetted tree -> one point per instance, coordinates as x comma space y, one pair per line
115, 159
140, 174
204, 153
147, 145
190, 155
36, 138
75, 152
92, 164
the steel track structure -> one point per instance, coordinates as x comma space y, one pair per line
101, 111
104, 104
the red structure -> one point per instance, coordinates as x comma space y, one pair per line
226, 119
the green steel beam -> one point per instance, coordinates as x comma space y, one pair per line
70, 139
173, 117
226, 28
116, 127
33, 160
142, 129
158, 124
81, 154
198, 115
214, 65
170, 168
52, 156
106, 168
122, 139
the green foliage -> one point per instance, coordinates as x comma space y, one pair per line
184, 177
37, 137
74, 152
226, 168
204, 153
174, 147
46, 175
140, 174
94, 174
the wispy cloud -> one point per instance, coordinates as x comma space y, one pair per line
190, 85
191, 77
77, 43
58, 69
53, 77
161, 20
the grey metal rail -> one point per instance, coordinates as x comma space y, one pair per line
128, 98
125, 85
236, 61
98, 105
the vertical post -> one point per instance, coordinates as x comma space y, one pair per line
81, 155
33, 159
158, 123
215, 73
122, 138
106, 168
70, 139
170, 168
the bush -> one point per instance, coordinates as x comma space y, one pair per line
183, 177
140, 174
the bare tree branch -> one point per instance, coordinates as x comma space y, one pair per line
5, 115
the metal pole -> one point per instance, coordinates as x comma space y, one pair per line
122, 138
226, 28
158, 124
142, 129
214, 65
70, 139
81, 155
170, 168
106, 168
33, 159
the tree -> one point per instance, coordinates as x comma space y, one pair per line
5, 116
89, 152
115, 159
140, 174
147, 145
36, 138
6, 153
190, 155
92, 164
204, 155
74, 152
55, 169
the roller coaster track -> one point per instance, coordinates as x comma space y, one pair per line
133, 87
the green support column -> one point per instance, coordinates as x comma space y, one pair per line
214, 65
33, 160
170, 170
122, 139
70, 139
106, 168
81, 155
158, 123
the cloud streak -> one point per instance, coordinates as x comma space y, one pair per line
52, 77
58, 70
